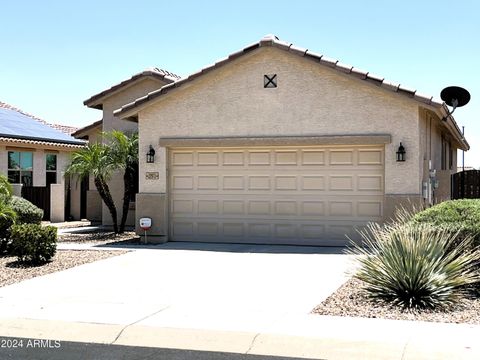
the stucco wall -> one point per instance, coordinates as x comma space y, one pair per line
74, 187
57, 202
431, 131
310, 100
58, 194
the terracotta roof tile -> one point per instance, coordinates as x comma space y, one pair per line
344, 67
390, 85
154, 72
313, 55
362, 74
325, 60
298, 50
87, 127
39, 142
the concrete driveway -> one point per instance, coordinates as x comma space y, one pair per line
196, 286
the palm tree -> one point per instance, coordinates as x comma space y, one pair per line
7, 214
6, 189
94, 160
123, 154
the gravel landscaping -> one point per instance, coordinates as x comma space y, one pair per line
11, 271
98, 237
351, 300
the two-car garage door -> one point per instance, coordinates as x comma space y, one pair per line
283, 195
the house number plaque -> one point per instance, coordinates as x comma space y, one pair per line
152, 175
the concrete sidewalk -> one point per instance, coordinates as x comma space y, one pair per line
308, 336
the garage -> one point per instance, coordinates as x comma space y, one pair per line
309, 195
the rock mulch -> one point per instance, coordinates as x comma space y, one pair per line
99, 238
11, 271
351, 300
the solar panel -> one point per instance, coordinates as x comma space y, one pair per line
17, 125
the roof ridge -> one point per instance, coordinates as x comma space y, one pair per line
272, 40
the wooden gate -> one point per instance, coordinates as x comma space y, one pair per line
466, 185
38, 196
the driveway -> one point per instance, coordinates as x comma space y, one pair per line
195, 286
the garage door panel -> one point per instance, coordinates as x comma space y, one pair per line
286, 182
286, 157
370, 157
341, 157
312, 195
313, 157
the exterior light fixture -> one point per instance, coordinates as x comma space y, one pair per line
401, 153
151, 155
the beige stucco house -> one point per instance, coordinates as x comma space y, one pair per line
34, 154
278, 144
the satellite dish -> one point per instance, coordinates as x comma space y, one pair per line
455, 96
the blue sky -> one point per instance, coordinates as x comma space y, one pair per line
55, 54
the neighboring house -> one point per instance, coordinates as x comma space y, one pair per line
107, 101
277, 144
33, 154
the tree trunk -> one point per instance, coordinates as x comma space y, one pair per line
104, 192
128, 181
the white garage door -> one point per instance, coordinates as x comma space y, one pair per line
283, 195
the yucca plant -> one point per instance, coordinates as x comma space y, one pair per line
416, 266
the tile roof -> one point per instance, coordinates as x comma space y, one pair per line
154, 72
40, 142
20, 126
272, 40
86, 128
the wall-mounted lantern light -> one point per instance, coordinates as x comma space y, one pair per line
401, 153
151, 155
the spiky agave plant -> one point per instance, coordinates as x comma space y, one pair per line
416, 266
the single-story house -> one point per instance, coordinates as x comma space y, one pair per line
278, 144
33, 154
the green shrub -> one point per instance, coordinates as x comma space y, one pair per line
415, 266
27, 213
7, 219
32, 243
462, 216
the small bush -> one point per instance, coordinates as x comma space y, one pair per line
462, 216
416, 266
32, 243
27, 213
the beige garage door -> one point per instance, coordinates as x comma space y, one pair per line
283, 195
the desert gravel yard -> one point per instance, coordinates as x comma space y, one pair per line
98, 237
351, 300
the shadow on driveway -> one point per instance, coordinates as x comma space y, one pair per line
233, 248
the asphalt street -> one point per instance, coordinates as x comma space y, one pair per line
35, 349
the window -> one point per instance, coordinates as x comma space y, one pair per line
20, 167
450, 157
51, 163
